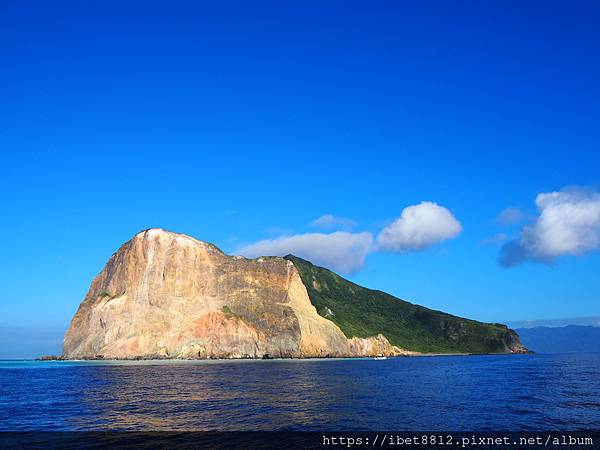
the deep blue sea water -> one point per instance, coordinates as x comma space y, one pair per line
508, 392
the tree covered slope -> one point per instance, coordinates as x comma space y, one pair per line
362, 312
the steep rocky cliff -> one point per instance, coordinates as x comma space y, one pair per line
165, 294
168, 295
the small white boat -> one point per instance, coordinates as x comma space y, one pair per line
380, 357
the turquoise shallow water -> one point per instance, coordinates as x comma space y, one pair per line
503, 392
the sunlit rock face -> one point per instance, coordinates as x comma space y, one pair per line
169, 295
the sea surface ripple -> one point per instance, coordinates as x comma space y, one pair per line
469, 393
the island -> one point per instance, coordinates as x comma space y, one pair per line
168, 295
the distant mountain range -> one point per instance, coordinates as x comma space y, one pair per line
569, 339
591, 321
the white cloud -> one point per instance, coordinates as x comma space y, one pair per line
277, 231
496, 239
329, 222
418, 227
342, 251
568, 224
510, 216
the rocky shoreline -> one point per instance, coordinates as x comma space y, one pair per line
269, 357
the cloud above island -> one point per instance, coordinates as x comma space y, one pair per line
510, 216
330, 222
341, 250
418, 228
568, 223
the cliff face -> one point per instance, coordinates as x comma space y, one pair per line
164, 294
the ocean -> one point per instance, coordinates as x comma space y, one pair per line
470, 393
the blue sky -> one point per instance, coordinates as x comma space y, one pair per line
241, 122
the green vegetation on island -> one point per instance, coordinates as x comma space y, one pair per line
362, 312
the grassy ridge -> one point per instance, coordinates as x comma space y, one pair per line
362, 312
